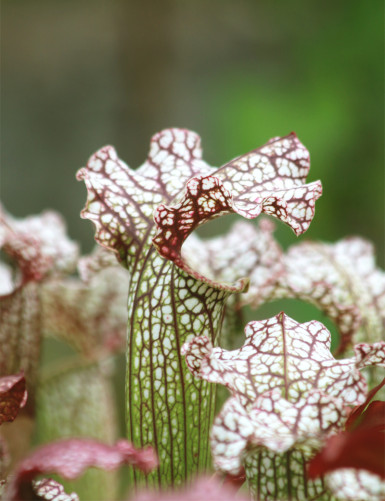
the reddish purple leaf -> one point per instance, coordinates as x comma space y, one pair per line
354, 460
235, 481
13, 396
361, 449
70, 458
358, 413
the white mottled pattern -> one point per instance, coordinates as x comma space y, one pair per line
349, 484
159, 205
288, 391
343, 281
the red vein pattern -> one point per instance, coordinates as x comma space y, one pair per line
168, 299
270, 180
247, 250
121, 202
343, 281
356, 485
287, 391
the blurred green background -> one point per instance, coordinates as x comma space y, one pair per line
77, 75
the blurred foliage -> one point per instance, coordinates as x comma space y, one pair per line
77, 402
78, 75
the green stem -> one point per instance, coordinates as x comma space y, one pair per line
273, 476
166, 406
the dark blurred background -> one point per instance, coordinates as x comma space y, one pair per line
80, 74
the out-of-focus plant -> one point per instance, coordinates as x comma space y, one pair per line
290, 398
43, 298
353, 460
70, 458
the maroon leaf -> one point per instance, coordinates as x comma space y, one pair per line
373, 417
235, 481
13, 396
70, 458
361, 449
372, 414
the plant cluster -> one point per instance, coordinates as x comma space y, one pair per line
299, 423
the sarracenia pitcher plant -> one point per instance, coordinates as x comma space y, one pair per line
299, 424
145, 216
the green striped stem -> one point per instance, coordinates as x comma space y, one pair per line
166, 406
274, 476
